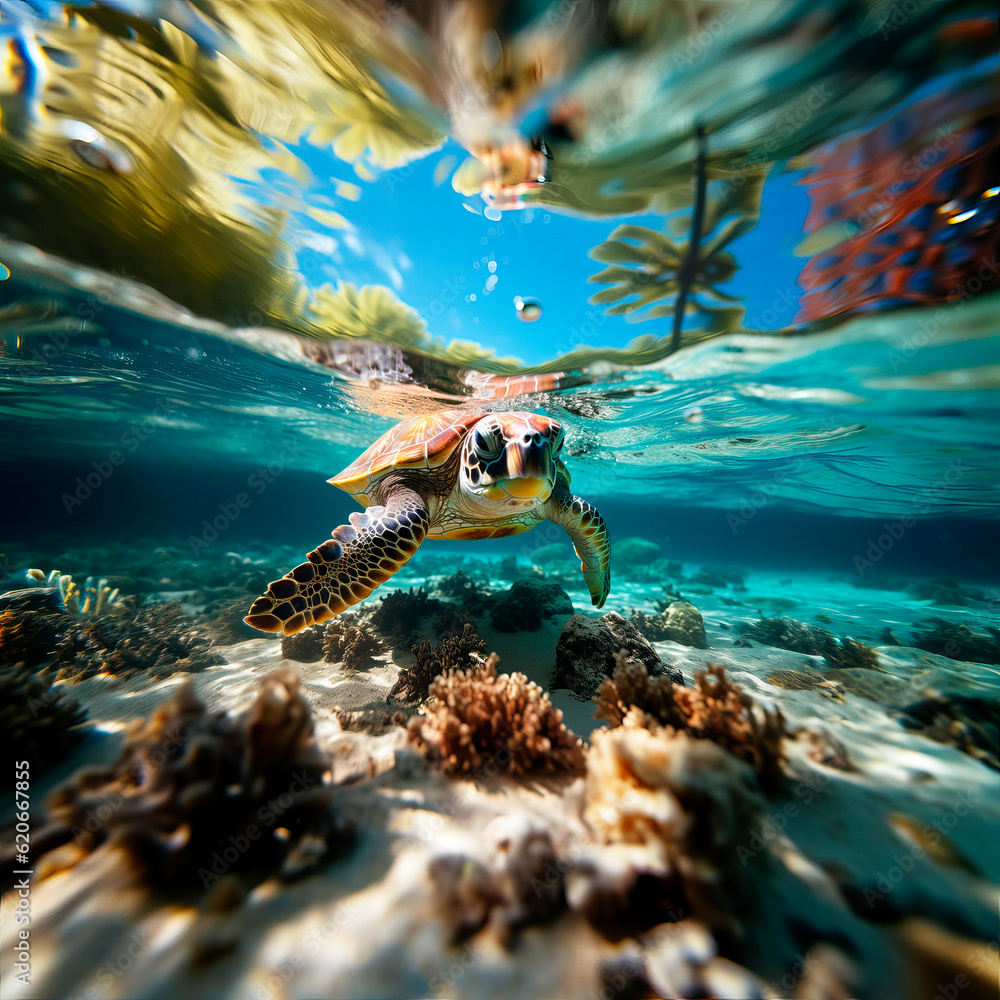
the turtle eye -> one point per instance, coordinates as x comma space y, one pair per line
485, 443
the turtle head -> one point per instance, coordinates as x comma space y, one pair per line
511, 458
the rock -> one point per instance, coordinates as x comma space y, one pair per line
679, 622
305, 646
634, 551
557, 552
585, 652
526, 603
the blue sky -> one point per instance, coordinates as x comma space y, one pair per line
413, 232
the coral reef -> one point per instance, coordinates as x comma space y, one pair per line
400, 616
348, 640
160, 639
92, 598
634, 551
451, 621
458, 653
585, 652
526, 603
714, 709
29, 626
788, 633
970, 723
670, 811
522, 884
480, 717
470, 593
680, 622
306, 646
38, 723
196, 794
957, 641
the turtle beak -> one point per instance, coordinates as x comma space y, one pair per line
529, 474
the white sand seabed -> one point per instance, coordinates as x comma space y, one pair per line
368, 925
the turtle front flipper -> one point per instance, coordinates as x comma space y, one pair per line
589, 534
345, 569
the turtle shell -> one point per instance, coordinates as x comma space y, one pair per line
423, 442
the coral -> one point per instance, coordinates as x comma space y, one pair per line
92, 598
714, 709
849, 654
38, 722
306, 646
451, 621
505, 718
348, 640
787, 633
671, 811
526, 603
522, 883
680, 622
634, 551
400, 616
968, 722
28, 637
957, 641
159, 638
470, 593
585, 652
196, 793
455, 654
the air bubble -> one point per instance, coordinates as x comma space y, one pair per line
493, 214
492, 266
694, 414
528, 310
491, 282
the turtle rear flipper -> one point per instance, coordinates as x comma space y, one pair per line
589, 534
345, 569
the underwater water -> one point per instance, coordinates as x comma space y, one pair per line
745, 255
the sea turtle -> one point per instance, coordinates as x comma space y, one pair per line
457, 474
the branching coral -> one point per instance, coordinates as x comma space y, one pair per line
29, 637
483, 716
456, 654
196, 794
160, 638
451, 621
714, 709
352, 642
306, 646
400, 616
38, 723
526, 603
